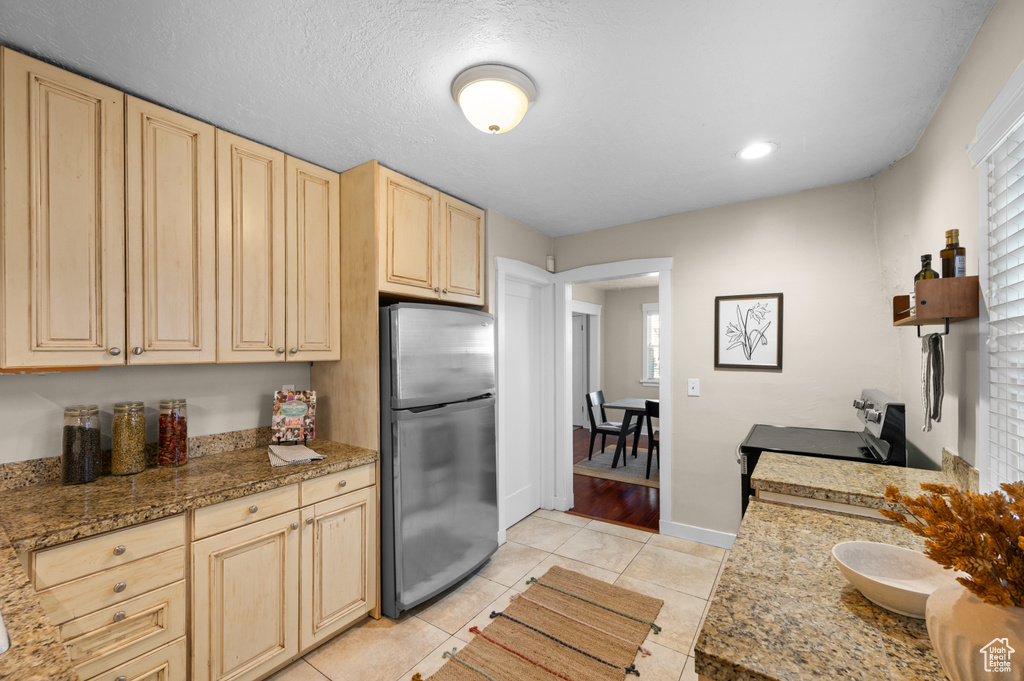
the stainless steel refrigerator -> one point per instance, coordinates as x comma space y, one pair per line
439, 501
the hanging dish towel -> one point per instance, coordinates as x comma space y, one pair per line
932, 371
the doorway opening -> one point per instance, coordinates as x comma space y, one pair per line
620, 316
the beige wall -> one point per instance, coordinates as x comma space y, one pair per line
933, 189
220, 398
586, 293
622, 343
818, 248
507, 238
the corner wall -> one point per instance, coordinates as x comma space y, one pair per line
932, 189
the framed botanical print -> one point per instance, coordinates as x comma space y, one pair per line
748, 332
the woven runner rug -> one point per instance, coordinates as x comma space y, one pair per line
558, 636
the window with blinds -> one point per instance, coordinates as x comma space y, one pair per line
1005, 199
652, 344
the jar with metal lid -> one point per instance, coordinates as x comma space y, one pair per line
80, 444
129, 439
173, 433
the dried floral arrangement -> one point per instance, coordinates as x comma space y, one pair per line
981, 535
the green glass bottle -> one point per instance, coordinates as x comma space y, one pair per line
926, 269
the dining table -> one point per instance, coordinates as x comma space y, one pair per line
631, 406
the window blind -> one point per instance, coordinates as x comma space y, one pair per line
1005, 171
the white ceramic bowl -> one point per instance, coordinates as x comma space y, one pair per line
893, 577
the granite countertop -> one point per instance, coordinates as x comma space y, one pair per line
783, 610
845, 482
36, 653
44, 515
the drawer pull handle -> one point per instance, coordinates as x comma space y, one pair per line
342, 483
253, 508
121, 678
309, 521
119, 587
119, 550
295, 526
118, 616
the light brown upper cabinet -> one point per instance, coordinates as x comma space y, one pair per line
63, 218
313, 248
429, 245
250, 250
172, 268
278, 256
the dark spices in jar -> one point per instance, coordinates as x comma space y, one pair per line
173, 434
129, 439
80, 445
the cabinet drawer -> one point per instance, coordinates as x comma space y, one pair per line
78, 559
327, 486
246, 510
122, 632
163, 664
89, 594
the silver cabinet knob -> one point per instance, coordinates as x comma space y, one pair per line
121, 678
114, 351
445, 291
119, 587
294, 351
342, 483
295, 526
120, 615
437, 289
253, 508
136, 350
119, 550
280, 351
309, 520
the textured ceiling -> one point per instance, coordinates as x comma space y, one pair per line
641, 105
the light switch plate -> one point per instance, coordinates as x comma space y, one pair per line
693, 387
286, 388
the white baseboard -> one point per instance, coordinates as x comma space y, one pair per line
722, 540
561, 504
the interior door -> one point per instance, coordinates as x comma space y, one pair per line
580, 368
522, 434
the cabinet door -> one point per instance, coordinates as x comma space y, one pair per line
407, 240
250, 251
63, 218
245, 600
172, 300
339, 564
313, 249
462, 239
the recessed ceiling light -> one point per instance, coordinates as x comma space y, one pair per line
493, 97
756, 150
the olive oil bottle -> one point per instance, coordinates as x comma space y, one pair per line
926, 269
954, 256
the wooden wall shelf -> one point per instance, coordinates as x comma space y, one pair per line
938, 301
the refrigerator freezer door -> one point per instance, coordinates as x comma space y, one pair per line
442, 505
439, 354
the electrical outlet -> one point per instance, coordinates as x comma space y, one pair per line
693, 387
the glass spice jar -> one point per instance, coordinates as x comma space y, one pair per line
173, 433
80, 444
129, 439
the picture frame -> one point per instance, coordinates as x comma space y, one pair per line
748, 332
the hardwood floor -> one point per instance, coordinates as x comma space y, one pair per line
611, 500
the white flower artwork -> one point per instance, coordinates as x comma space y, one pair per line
748, 331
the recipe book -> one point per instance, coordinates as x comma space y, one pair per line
294, 416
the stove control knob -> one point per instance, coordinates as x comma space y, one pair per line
873, 416
859, 404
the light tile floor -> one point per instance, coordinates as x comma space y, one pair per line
680, 572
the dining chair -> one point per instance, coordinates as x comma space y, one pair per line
595, 400
652, 434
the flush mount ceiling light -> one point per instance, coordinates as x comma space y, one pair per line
756, 150
493, 97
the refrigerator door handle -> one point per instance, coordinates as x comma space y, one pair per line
435, 410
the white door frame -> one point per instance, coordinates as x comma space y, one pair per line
562, 484
593, 312
504, 270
